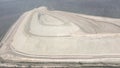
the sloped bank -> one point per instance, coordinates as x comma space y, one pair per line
41, 35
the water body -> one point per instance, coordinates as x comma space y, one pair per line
10, 10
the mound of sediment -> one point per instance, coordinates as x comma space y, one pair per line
45, 32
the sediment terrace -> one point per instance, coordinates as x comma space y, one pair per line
45, 32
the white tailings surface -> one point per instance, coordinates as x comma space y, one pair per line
45, 32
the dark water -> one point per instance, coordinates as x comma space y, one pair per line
10, 10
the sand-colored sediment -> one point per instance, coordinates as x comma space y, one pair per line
45, 32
